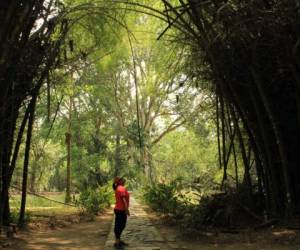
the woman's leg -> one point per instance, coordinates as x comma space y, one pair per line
123, 221
120, 223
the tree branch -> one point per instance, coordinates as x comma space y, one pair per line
171, 128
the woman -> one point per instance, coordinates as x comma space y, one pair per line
121, 209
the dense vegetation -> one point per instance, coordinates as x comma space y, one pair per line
203, 91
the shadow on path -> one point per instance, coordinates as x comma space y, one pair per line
140, 233
85, 236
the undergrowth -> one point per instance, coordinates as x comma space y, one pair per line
95, 200
224, 210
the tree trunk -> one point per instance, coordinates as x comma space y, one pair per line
277, 133
7, 135
223, 134
147, 164
33, 177
247, 177
68, 144
18, 143
26, 160
271, 187
117, 156
218, 131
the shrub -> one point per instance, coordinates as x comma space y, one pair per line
226, 210
96, 200
166, 198
218, 209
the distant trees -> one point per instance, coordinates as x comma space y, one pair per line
151, 92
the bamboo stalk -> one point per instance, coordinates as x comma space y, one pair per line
279, 141
26, 159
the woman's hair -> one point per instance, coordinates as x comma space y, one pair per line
117, 181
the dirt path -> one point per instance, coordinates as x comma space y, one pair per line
87, 235
141, 233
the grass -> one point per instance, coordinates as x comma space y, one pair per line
38, 206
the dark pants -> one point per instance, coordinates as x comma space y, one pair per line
120, 222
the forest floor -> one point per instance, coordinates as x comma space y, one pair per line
77, 232
272, 238
62, 232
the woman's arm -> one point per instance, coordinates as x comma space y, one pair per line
125, 205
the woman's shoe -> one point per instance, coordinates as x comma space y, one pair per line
118, 245
123, 243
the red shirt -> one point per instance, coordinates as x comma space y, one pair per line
121, 192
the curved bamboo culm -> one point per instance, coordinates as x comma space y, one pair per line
262, 101
279, 141
25, 62
226, 36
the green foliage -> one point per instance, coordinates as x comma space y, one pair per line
166, 198
14, 217
99, 105
96, 200
183, 154
217, 209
